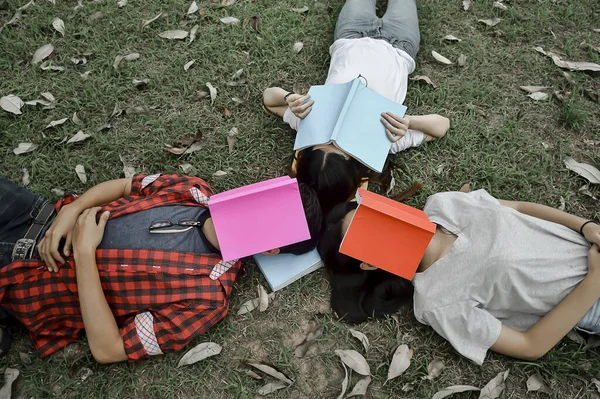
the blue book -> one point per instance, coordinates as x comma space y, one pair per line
283, 269
349, 116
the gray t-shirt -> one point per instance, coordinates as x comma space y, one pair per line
504, 268
132, 231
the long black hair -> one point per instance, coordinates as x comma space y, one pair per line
358, 294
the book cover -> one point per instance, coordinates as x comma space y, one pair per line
258, 217
283, 269
349, 116
387, 234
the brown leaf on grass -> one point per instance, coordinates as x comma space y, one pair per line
344, 382
588, 172
300, 10
213, 92
226, 3
136, 110
186, 168
467, 4
188, 65
563, 204
201, 94
12, 104
362, 338
48, 66
24, 357
59, 25
200, 352
585, 190
314, 332
273, 372
24, 148
10, 375
237, 74
79, 136
26, 182
400, 362
226, 112
462, 60
533, 89
58, 192
148, 22
193, 33
491, 21
230, 20
79, 5
176, 34
232, 139
128, 170
452, 390
360, 389
15, 18
222, 173
298, 46
193, 8
42, 53
56, 122
80, 170
425, 79
79, 59
536, 383
128, 57
252, 374
117, 111
140, 83
235, 84
539, 96
180, 151
571, 65
452, 38
494, 388
434, 369
263, 297
440, 58
122, 3
272, 387
500, 5
354, 360
85, 75
237, 100
248, 306
254, 22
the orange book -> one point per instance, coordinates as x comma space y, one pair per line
387, 234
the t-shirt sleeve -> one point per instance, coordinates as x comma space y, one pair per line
412, 138
291, 119
469, 329
483, 196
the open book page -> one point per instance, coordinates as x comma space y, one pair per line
319, 124
361, 133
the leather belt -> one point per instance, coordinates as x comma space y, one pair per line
24, 247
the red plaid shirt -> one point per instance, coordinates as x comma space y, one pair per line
160, 299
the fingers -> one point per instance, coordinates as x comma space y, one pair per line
390, 136
393, 117
298, 101
103, 219
47, 255
303, 114
68, 244
393, 130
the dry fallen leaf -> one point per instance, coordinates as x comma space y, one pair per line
536, 383
48, 66
222, 173
80, 170
26, 6
76, 119
595, 381
462, 60
230, 20
176, 34
539, 96
200, 352
248, 306
59, 25
148, 22
272, 387
122, 3
571, 65
26, 182
42, 53
298, 46
563, 204
15, 18
362, 338
226, 3
193, 8
231, 138
24, 357
584, 170
500, 5
188, 65
128, 57
400, 362
425, 79
441, 58
36, 102
79, 136
58, 192
237, 100
434, 369
254, 22
79, 59
95, 17
315, 332
85, 75
300, 10
128, 170
360, 389
467, 4
491, 21
354, 360
452, 38
186, 168
24, 148
56, 122
213, 92
344, 382
452, 390
193, 33
263, 297
533, 89
180, 151
136, 110
237, 74
271, 371
140, 83
79, 5
494, 388
12, 104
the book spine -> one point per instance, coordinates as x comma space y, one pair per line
342, 116
217, 198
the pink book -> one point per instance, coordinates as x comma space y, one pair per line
258, 217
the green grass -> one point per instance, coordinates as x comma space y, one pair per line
500, 140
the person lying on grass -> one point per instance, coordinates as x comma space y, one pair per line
513, 277
383, 52
100, 267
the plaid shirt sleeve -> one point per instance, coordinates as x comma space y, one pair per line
169, 329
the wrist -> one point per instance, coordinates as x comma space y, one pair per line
83, 252
586, 225
286, 97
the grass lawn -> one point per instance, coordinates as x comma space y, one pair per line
500, 140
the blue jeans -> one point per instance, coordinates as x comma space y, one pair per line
399, 26
18, 208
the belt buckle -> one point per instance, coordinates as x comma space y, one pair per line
23, 249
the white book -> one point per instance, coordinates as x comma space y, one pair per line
283, 269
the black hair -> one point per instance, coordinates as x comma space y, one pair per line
358, 294
314, 218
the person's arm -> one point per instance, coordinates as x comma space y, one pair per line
591, 231
103, 334
62, 226
433, 126
274, 99
539, 339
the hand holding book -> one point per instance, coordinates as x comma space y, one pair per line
300, 105
395, 126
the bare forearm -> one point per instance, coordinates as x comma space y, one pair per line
547, 213
433, 125
103, 193
274, 100
104, 336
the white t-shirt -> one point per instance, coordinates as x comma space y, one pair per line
505, 267
385, 69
